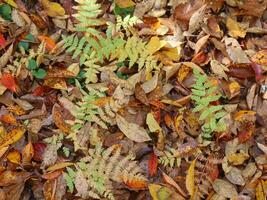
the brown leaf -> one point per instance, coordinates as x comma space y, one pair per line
132, 130
5, 57
59, 120
224, 188
190, 178
12, 137
170, 181
27, 153
140, 94
11, 177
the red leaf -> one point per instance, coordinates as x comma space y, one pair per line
153, 164
2, 41
40, 90
213, 171
9, 82
39, 149
258, 72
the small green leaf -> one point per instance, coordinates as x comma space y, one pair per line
5, 11
69, 182
40, 73
123, 11
24, 45
30, 37
32, 64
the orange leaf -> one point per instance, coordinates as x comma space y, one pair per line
246, 133
52, 175
2, 41
213, 171
168, 121
14, 157
27, 153
260, 57
59, 72
16, 109
49, 42
56, 83
136, 184
59, 120
9, 82
40, 90
10, 119
153, 164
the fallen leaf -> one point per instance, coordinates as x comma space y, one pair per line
235, 29
196, 19
142, 7
153, 164
190, 178
52, 175
170, 181
155, 44
5, 57
9, 82
136, 183
56, 83
238, 158
200, 43
140, 94
58, 166
11, 177
27, 153
151, 84
2, 41
159, 192
53, 9
49, 42
12, 137
131, 130
241, 71
59, 120
14, 157
124, 3
224, 188
219, 69
152, 123
261, 190
260, 57
235, 51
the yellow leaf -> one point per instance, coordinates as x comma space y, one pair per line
12, 3
152, 123
183, 72
235, 28
53, 9
12, 137
190, 178
58, 166
14, 157
124, 3
3, 151
234, 88
261, 190
173, 53
155, 44
159, 192
238, 158
239, 116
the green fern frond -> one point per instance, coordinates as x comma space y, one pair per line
204, 92
126, 23
87, 13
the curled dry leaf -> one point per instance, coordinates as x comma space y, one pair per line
190, 178
5, 57
59, 120
131, 130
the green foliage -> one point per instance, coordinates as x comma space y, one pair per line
135, 51
126, 23
96, 172
69, 176
5, 11
87, 13
204, 92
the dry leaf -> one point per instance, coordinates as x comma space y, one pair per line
143, 7
131, 130
152, 123
153, 164
196, 19
151, 84
27, 153
159, 192
59, 120
12, 137
235, 51
14, 157
124, 3
235, 176
5, 57
190, 178
200, 43
170, 181
235, 29
58, 166
219, 69
224, 188
53, 9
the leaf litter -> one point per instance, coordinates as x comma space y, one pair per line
127, 99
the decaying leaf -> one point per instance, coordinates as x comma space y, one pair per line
190, 178
224, 188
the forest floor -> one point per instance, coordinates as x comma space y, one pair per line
133, 99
